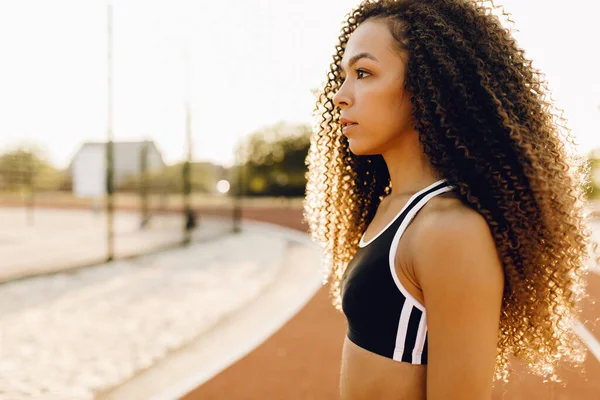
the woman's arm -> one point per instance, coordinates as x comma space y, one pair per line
457, 266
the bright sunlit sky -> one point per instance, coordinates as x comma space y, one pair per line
253, 63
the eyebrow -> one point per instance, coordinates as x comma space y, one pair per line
354, 59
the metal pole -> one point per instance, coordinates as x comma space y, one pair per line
190, 220
26, 168
237, 201
144, 184
109, 147
30, 184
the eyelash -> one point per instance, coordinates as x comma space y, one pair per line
358, 72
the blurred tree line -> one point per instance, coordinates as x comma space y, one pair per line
593, 190
271, 161
26, 169
203, 176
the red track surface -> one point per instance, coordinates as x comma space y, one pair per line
301, 361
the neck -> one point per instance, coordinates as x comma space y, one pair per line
408, 166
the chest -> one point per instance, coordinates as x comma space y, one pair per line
375, 287
380, 265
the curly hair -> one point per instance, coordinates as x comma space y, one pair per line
487, 124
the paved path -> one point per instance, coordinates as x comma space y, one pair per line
60, 239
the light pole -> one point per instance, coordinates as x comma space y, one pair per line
109, 143
190, 219
242, 160
145, 212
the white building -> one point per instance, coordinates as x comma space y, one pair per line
88, 167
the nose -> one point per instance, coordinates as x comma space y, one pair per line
342, 98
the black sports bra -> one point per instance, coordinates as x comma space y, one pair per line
382, 316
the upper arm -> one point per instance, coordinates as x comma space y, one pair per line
462, 279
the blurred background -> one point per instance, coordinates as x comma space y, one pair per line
135, 140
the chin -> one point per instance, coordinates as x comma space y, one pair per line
359, 149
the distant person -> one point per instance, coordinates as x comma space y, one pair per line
430, 107
191, 220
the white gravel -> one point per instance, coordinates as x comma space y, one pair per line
70, 335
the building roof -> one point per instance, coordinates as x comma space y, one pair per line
120, 147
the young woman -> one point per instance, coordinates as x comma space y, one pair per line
449, 200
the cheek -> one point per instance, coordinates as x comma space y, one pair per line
388, 111
404, 110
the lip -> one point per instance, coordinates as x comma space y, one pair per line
347, 125
345, 121
347, 128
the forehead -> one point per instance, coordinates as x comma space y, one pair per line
372, 36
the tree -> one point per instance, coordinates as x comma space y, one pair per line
593, 189
272, 161
204, 178
24, 169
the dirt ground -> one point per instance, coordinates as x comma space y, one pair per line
301, 361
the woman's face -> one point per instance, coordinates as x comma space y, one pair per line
372, 95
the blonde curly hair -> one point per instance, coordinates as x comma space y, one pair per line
487, 124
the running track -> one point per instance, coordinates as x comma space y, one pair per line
301, 361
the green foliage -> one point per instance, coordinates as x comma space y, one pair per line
593, 189
203, 176
26, 170
272, 161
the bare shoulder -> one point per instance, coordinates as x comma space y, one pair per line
449, 233
458, 269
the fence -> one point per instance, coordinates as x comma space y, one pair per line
115, 200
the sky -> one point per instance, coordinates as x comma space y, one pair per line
252, 63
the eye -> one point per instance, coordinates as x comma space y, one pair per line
360, 73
